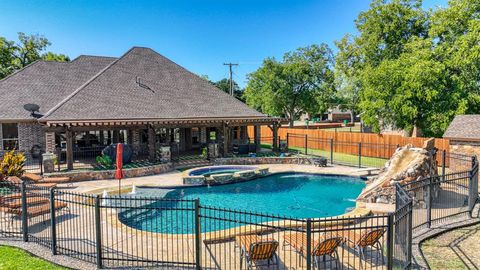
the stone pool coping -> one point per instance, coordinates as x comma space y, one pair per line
128, 188
228, 234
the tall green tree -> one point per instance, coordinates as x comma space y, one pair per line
303, 82
224, 85
410, 68
28, 49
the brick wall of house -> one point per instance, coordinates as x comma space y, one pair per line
30, 134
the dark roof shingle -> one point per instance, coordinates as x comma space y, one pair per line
166, 91
464, 127
45, 83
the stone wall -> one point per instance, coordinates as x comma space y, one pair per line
86, 175
465, 148
263, 160
30, 134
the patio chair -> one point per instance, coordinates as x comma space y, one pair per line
17, 181
38, 179
320, 248
254, 248
37, 210
361, 241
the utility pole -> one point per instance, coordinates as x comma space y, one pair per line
231, 72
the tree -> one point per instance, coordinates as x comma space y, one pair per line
389, 69
28, 49
224, 85
303, 82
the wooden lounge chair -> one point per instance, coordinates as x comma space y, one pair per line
18, 181
38, 179
35, 211
255, 248
320, 248
360, 241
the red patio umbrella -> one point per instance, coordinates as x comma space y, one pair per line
119, 161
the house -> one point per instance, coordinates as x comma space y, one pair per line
141, 98
464, 134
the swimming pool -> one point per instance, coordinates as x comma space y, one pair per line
288, 194
208, 171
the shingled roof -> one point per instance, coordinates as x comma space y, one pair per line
465, 127
143, 84
45, 83
139, 85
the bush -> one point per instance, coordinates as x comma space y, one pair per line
204, 152
12, 164
104, 161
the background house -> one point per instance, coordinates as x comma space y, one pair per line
464, 134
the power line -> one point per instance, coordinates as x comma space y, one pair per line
230, 65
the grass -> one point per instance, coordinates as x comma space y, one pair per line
457, 249
14, 258
338, 157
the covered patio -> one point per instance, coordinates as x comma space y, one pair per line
78, 143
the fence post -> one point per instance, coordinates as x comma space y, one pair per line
390, 235
473, 185
197, 235
306, 143
331, 151
53, 225
359, 154
429, 202
23, 190
309, 244
410, 234
444, 161
98, 233
287, 142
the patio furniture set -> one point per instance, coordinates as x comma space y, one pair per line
257, 250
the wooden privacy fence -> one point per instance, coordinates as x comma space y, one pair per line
368, 144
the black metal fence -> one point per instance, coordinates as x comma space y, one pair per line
143, 232
446, 196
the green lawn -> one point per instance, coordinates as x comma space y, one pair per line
16, 259
344, 158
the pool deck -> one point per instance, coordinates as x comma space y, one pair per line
175, 178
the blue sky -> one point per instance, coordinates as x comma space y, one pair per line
199, 35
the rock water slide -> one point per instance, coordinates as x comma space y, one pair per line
407, 164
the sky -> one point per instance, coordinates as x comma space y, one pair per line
199, 35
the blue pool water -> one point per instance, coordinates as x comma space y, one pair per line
218, 170
292, 195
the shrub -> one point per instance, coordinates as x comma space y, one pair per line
204, 152
104, 161
12, 164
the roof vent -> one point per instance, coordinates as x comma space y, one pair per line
138, 80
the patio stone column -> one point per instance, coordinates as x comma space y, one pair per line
136, 140
203, 135
151, 143
256, 137
50, 142
69, 136
181, 143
